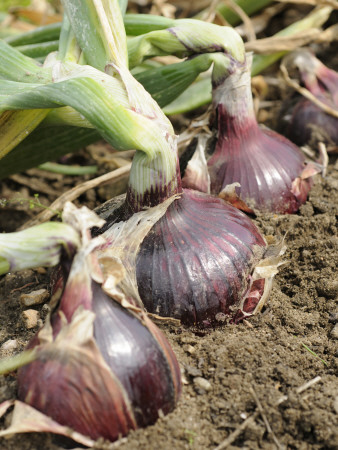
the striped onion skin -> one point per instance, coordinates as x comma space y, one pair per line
267, 166
263, 162
196, 261
121, 380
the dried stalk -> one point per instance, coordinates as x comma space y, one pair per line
75, 192
306, 93
234, 435
276, 44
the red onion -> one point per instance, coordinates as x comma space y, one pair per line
303, 121
200, 262
100, 369
256, 168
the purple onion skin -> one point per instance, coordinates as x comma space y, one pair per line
77, 393
261, 160
306, 123
306, 119
197, 259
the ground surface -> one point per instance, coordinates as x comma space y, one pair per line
265, 359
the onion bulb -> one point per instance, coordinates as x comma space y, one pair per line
303, 121
251, 166
200, 260
101, 369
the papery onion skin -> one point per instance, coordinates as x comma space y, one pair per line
143, 379
262, 161
76, 393
197, 259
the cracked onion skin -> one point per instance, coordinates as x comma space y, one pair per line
139, 378
196, 261
263, 162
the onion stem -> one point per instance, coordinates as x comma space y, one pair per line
12, 363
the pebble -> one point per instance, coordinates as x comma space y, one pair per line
202, 383
34, 297
30, 318
335, 404
334, 332
190, 349
11, 344
192, 371
327, 288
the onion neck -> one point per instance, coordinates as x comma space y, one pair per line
153, 180
232, 99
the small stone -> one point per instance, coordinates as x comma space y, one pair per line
221, 317
202, 383
34, 297
11, 344
192, 371
190, 349
334, 332
327, 288
335, 404
30, 317
333, 317
40, 270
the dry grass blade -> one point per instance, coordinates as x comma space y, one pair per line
210, 13
234, 435
308, 384
75, 192
328, 35
283, 43
250, 30
306, 93
332, 3
265, 420
260, 21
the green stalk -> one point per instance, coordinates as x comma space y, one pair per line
38, 35
178, 76
118, 106
196, 95
96, 28
187, 37
46, 144
68, 47
136, 24
16, 125
13, 363
199, 93
18, 67
68, 170
38, 50
37, 246
248, 6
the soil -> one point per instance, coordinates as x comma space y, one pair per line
254, 394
